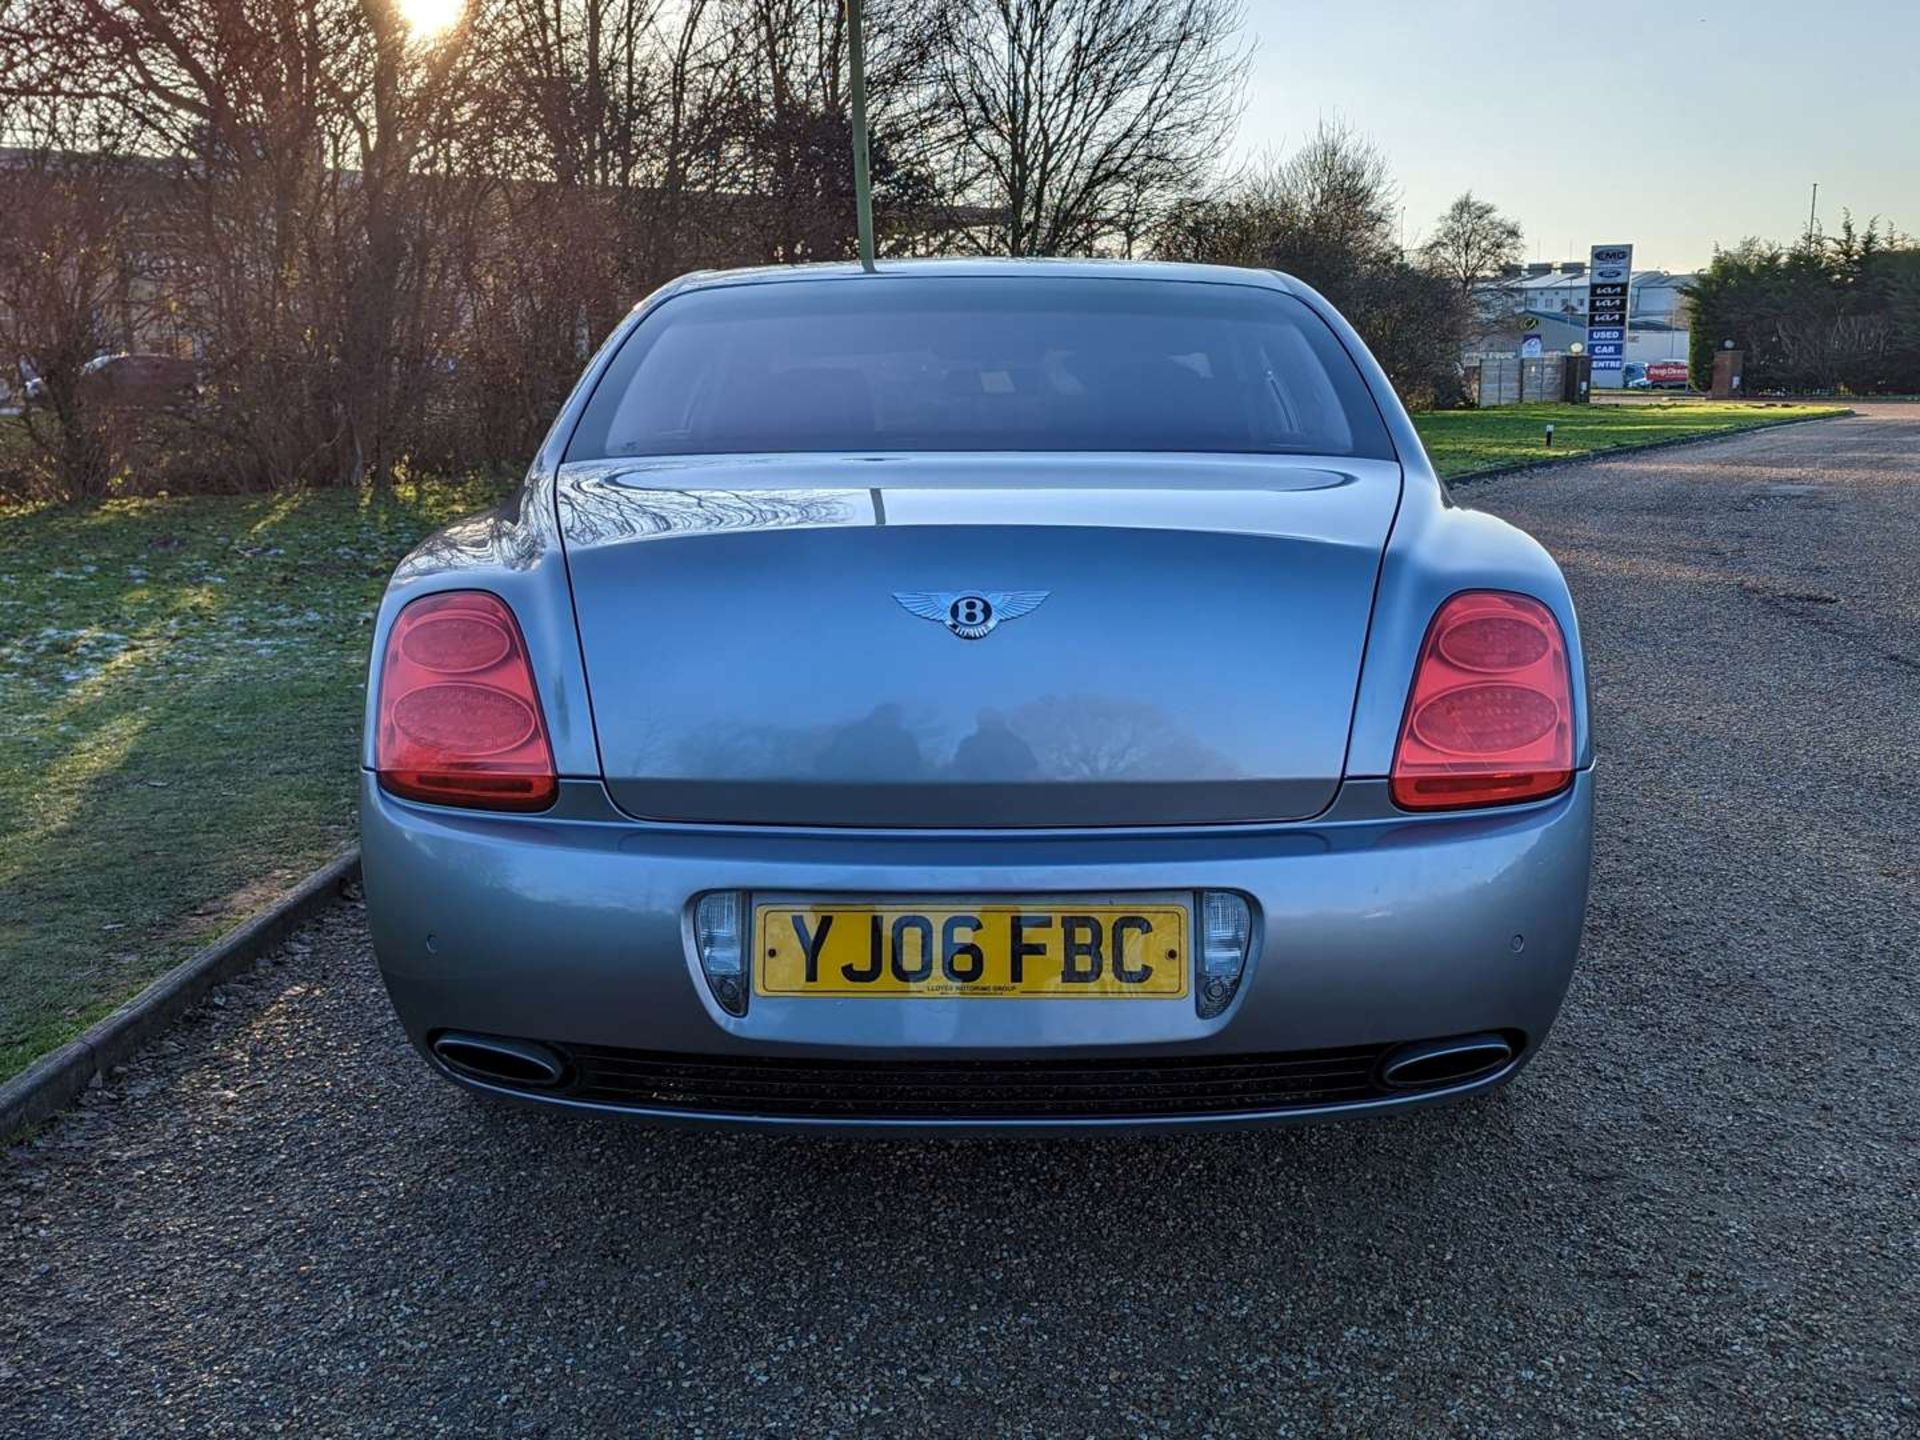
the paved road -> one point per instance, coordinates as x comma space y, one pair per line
1695, 1216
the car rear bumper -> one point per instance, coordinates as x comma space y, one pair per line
1372, 930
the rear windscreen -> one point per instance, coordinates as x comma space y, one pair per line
948, 363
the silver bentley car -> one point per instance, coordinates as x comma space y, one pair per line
1018, 695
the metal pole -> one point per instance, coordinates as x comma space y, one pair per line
862, 179
1813, 209
1013, 144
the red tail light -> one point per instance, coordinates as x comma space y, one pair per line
459, 716
1490, 719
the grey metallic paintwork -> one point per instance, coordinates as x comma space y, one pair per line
1195, 661
1437, 550
1375, 926
514, 553
1371, 929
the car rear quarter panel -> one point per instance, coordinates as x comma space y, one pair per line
515, 553
1436, 549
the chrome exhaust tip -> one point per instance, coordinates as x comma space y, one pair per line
524, 1064
1430, 1064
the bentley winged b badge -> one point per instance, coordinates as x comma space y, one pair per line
970, 614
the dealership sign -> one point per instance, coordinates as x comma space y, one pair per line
1609, 276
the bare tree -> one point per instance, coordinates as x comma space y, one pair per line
387, 248
1324, 212
794, 80
310, 141
69, 286
1473, 242
1326, 215
1070, 122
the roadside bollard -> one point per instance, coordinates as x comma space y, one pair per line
1549, 437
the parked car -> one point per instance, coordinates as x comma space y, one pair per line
984, 694
128, 381
138, 381
1657, 375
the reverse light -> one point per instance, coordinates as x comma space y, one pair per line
1226, 927
717, 939
1490, 717
459, 718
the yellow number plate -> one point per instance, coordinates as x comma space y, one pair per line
950, 948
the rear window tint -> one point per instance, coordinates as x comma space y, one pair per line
961, 363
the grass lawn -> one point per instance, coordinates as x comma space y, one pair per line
180, 691
1463, 441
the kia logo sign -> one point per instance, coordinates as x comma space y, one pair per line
1609, 273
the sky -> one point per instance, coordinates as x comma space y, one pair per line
1670, 126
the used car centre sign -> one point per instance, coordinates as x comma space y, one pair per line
1609, 273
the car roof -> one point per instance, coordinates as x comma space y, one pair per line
978, 269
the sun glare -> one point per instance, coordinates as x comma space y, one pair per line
428, 18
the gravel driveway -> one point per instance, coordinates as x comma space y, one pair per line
1695, 1215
